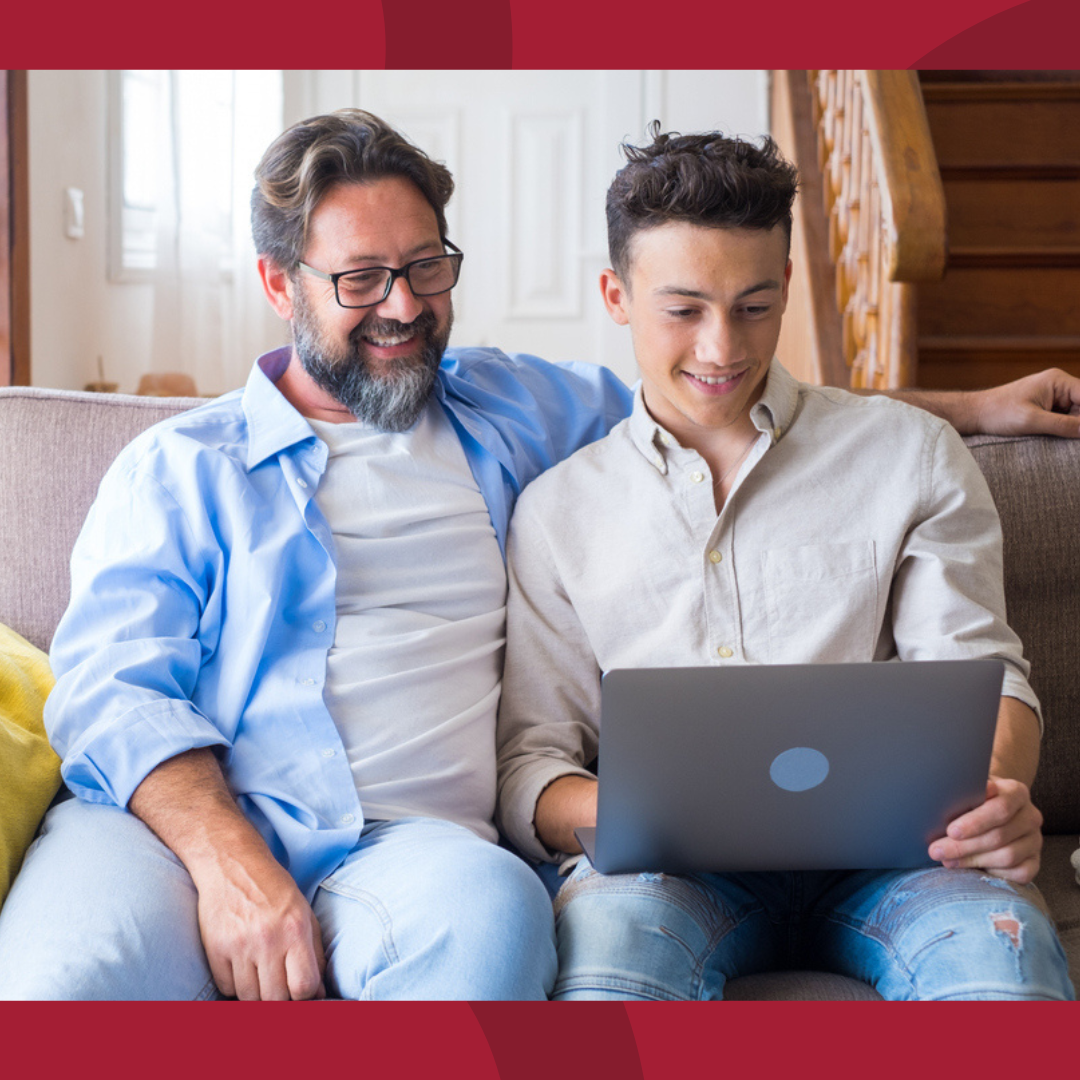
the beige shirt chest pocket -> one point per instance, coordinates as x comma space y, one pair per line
821, 602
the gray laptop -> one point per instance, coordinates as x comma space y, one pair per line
789, 767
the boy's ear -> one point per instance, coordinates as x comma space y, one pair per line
277, 285
616, 296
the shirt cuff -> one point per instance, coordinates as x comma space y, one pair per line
1016, 686
113, 758
517, 805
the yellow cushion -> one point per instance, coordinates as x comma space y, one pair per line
29, 770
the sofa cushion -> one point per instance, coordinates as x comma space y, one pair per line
29, 770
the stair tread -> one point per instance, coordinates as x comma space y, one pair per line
1016, 256
1000, 342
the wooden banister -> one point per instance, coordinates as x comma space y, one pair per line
863, 147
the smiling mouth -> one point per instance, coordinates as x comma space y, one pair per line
389, 341
717, 380
716, 384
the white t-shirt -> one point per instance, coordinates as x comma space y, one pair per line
414, 673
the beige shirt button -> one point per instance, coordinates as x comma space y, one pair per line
725, 652
715, 557
776, 433
697, 477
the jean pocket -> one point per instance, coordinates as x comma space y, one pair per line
821, 602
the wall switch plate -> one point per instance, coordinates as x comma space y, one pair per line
73, 213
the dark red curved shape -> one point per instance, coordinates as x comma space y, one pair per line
1037, 34
592, 1040
430, 34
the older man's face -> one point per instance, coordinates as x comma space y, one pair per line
379, 362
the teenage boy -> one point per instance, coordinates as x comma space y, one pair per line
741, 517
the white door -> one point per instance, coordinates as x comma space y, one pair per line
532, 153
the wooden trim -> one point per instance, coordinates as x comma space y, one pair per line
5, 238
14, 232
948, 93
1065, 345
1013, 173
961, 258
911, 188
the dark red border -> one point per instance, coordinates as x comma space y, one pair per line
520, 1042
548, 34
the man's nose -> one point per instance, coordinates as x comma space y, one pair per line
401, 304
719, 343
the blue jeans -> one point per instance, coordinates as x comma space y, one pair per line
420, 909
913, 934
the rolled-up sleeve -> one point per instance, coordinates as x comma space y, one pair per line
128, 651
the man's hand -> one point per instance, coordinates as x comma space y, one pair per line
1002, 836
261, 937
1047, 403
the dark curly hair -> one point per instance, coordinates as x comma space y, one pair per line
706, 179
303, 163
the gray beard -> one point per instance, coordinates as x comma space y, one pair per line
392, 401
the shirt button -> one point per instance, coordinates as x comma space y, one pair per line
308, 682
697, 477
776, 432
301, 482
318, 626
328, 752
347, 819
725, 652
715, 557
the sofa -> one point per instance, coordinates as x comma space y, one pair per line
57, 444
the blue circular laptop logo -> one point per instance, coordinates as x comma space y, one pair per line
799, 769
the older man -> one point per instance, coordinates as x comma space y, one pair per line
278, 676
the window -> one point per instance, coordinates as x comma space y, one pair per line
171, 169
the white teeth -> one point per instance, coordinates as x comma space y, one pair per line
387, 342
708, 381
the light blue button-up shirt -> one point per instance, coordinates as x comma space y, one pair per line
203, 590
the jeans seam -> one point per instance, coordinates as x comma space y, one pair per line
372, 903
646, 990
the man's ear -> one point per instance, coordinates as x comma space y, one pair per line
278, 287
616, 296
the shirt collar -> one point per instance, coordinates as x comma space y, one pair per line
273, 424
647, 435
772, 413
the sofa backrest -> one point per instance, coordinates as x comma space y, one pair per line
1035, 482
55, 446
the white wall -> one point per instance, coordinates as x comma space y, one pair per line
77, 314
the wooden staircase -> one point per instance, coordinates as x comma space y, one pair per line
1008, 150
1004, 148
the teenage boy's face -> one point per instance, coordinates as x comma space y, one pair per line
704, 308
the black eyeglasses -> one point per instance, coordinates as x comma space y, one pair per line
372, 285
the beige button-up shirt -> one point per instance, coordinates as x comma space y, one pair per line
857, 529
